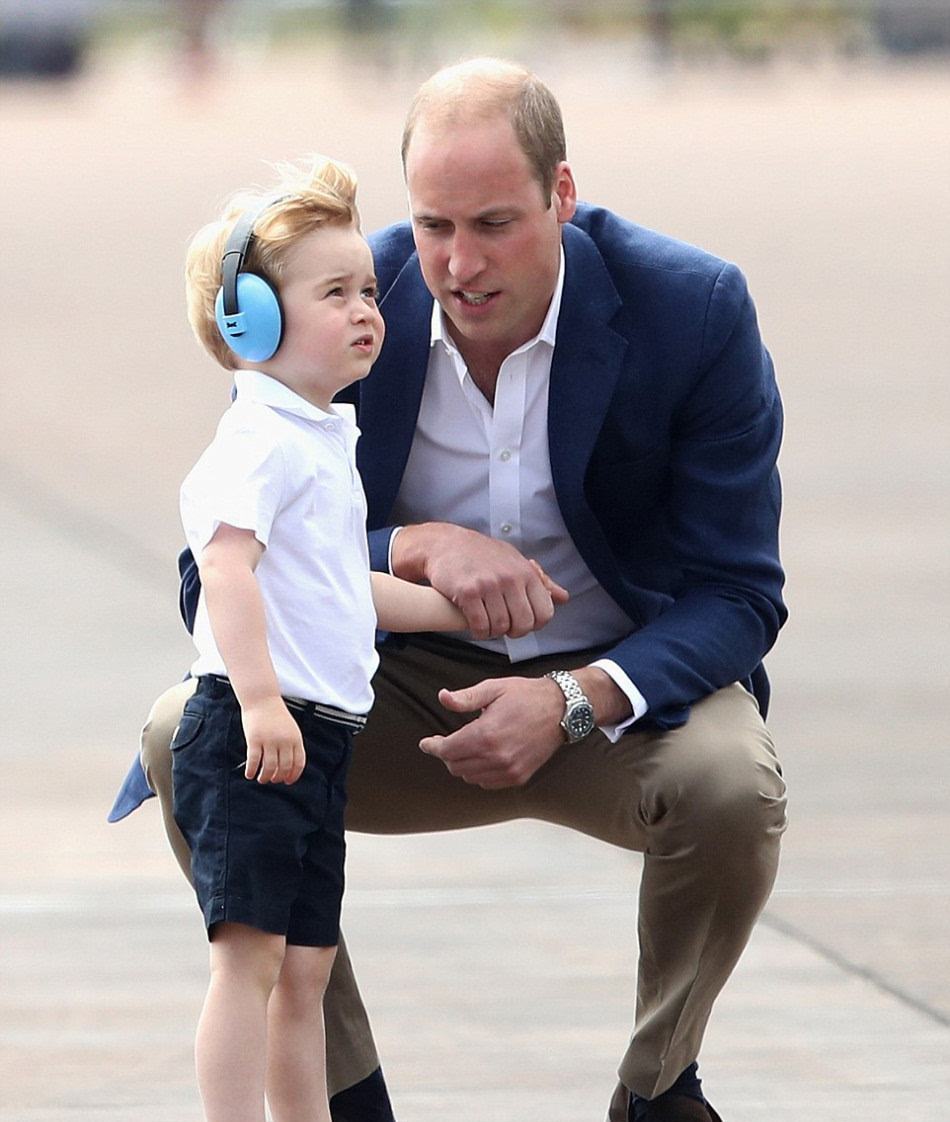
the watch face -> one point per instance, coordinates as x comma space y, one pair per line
580, 721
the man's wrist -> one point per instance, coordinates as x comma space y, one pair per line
411, 548
577, 720
611, 705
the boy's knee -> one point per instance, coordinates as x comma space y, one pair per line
243, 954
304, 976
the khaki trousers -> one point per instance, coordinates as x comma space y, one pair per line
704, 804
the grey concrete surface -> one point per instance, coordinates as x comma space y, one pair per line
497, 964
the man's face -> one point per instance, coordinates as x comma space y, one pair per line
488, 240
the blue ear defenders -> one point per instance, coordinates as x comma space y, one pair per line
247, 308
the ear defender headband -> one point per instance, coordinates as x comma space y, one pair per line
247, 308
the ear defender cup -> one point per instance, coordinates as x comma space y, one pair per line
247, 308
254, 331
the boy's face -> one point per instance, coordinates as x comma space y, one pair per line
332, 328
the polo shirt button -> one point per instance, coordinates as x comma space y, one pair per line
504, 455
505, 527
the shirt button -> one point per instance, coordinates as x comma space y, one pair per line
504, 455
505, 527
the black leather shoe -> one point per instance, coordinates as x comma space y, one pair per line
678, 1108
366, 1101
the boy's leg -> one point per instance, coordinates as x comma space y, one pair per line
353, 1055
296, 1046
231, 1043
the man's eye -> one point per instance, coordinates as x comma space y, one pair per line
495, 223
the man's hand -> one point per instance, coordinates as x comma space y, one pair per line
275, 751
518, 730
497, 589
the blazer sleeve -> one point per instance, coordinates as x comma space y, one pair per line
189, 588
720, 533
379, 548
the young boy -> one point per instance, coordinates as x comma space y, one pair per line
282, 291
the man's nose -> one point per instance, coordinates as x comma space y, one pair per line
466, 259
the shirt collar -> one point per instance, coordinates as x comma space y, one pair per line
439, 330
254, 385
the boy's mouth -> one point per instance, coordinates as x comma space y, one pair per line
364, 342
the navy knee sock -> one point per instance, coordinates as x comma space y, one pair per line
687, 1083
366, 1101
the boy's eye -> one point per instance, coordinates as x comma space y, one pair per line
337, 290
371, 292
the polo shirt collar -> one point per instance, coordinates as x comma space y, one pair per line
254, 385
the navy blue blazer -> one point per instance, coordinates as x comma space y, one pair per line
664, 426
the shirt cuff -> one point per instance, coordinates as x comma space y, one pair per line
389, 555
630, 691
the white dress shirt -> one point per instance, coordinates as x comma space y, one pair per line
488, 468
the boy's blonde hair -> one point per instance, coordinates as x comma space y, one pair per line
323, 193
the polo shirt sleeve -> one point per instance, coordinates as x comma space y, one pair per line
239, 480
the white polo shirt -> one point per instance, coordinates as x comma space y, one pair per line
286, 470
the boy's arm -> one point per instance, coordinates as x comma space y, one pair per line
404, 606
275, 752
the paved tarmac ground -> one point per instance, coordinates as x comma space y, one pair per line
497, 964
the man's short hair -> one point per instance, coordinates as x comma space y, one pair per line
484, 87
305, 198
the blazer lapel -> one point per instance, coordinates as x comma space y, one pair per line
587, 361
390, 395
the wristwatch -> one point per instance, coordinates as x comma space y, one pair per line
578, 719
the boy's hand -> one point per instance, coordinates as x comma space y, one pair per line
275, 752
558, 594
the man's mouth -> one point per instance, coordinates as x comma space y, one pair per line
474, 299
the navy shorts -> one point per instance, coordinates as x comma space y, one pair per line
269, 855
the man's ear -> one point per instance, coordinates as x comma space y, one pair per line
564, 192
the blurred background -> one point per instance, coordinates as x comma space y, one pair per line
54, 38
808, 142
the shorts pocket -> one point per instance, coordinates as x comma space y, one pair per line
189, 727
